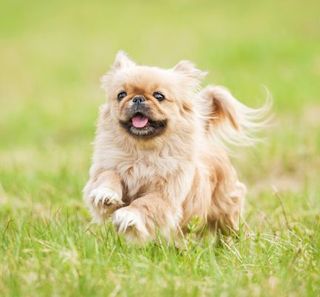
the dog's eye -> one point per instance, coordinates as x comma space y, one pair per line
121, 95
159, 96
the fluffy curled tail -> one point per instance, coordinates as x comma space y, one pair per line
229, 120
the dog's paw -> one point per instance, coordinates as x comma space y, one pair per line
130, 222
103, 197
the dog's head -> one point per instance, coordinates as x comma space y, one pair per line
148, 101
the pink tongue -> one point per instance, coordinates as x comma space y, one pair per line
139, 121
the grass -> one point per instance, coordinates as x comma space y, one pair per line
51, 57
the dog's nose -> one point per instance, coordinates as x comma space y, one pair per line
138, 99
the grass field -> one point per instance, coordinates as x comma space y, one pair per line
52, 54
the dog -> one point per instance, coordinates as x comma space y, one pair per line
160, 156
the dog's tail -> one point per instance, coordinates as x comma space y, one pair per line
227, 119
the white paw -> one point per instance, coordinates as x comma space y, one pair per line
124, 218
105, 197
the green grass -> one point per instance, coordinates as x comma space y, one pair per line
52, 54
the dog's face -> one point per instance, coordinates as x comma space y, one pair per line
147, 101
142, 103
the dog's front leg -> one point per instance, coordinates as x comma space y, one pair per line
148, 216
103, 194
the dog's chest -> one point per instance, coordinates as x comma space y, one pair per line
144, 173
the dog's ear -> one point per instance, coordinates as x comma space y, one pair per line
122, 61
189, 70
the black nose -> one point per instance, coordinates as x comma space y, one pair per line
138, 99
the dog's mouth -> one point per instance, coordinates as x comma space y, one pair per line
139, 121
142, 126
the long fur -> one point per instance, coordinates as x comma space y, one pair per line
159, 184
231, 121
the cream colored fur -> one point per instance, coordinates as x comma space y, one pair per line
157, 185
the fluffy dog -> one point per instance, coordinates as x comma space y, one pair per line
158, 156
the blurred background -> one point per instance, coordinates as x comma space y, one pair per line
53, 53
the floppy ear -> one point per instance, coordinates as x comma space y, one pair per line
122, 61
189, 70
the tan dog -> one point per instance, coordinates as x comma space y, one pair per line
158, 156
